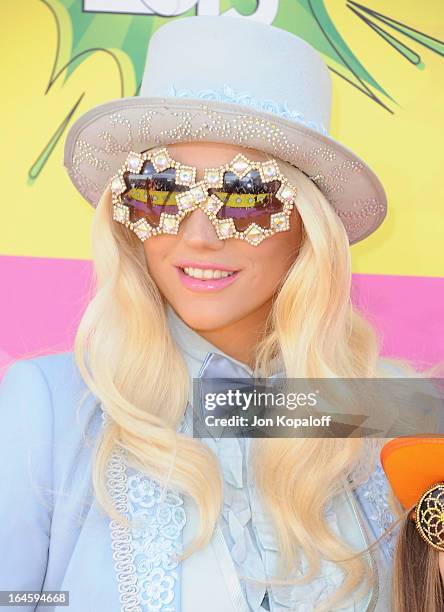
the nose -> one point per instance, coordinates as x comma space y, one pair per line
198, 232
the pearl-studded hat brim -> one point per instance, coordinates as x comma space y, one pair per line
99, 141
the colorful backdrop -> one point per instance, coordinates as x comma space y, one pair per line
62, 57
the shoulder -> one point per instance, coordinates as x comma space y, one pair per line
56, 369
45, 392
49, 368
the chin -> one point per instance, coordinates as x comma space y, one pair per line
205, 317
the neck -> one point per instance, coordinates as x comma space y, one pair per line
240, 339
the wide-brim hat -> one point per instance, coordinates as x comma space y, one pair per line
231, 80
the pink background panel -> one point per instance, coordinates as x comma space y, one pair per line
43, 300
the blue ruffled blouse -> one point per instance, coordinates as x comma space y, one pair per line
246, 527
53, 534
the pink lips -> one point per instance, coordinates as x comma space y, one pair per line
213, 284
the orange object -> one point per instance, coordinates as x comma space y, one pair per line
412, 465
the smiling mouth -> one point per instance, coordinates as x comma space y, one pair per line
207, 273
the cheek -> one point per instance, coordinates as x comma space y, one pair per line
157, 251
152, 255
274, 258
277, 254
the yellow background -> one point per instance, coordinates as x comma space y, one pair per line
47, 218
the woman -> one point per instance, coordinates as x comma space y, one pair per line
254, 281
414, 469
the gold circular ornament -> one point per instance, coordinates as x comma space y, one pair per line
429, 516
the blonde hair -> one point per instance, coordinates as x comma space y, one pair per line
126, 354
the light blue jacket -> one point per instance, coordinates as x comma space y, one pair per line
54, 536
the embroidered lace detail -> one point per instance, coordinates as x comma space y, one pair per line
230, 95
157, 543
121, 536
374, 495
145, 555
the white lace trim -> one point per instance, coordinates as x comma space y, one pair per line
145, 555
375, 493
121, 537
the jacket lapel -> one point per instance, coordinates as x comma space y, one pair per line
148, 573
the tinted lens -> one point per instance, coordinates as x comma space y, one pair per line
248, 200
151, 193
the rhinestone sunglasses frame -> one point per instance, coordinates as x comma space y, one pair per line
197, 196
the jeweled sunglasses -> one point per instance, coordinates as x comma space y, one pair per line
243, 199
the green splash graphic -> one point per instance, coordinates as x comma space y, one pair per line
126, 37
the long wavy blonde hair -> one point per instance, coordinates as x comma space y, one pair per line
126, 354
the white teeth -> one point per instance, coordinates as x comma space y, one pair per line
206, 274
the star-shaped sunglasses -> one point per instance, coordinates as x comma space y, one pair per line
243, 199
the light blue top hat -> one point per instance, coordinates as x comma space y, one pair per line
231, 80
